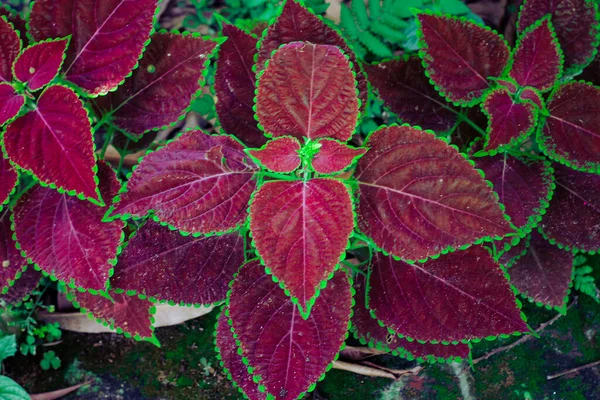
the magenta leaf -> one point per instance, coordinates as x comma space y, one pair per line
543, 274
420, 197
234, 86
11, 102
532, 95
128, 315
573, 219
66, 238
406, 91
39, 63
471, 294
368, 331
19, 24
198, 184
300, 230
108, 37
334, 156
8, 180
509, 122
279, 155
54, 142
10, 46
13, 263
20, 290
231, 361
297, 24
287, 352
537, 59
166, 266
571, 133
576, 27
160, 90
308, 90
508, 84
460, 56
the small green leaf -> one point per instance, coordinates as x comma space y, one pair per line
8, 347
360, 13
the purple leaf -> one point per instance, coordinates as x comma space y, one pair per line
279, 154
25, 283
308, 90
334, 156
532, 95
197, 183
508, 257
460, 296
576, 27
8, 180
420, 197
460, 56
537, 57
19, 24
166, 266
108, 37
288, 352
301, 229
10, 46
54, 142
544, 273
571, 134
13, 263
592, 72
38, 64
297, 24
406, 91
234, 86
508, 84
573, 218
10, 102
509, 123
66, 237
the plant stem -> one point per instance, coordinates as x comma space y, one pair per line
107, 140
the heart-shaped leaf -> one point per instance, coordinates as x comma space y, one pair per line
420, 197
10, 46
279, 154
38, 64
368, 331
54, 142
334, 156
573, 218
543, 274
301, 229
234, 86
11, 102
289, 353
571, 133
308, 90
471, 295
161, 89
21, 289
8, 180
13, 263
576, 27
297, 24
108, 37
460, 56
405, 89
532, 95
198, 184
163, 264
66, 237
231, 361
537, 59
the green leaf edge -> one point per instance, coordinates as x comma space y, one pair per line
264, 146
352, 163
64, 56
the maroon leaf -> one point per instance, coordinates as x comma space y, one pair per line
460, 296
163, 264
308, 90
509, 123
38, 64
66, 237
14, 18
288, 352
10, 46
8, 180
544, 273
508, 84
108, 37
297, 24
532, 95
334, 156
21, 289
279, 154
405, 89
592, 72
508, 257
575, 24
368, 331
537, 57
13, 263
197, 183
10, 102
573, 218
301, 229
460, 56
54, 142
231, 361
571, 133
234, 86
420, 197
